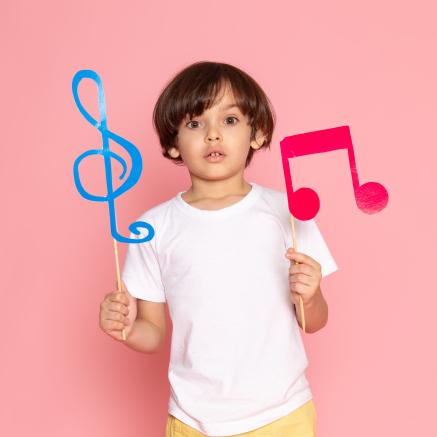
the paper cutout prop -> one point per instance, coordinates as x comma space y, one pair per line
107, 135
304, 203
107, 154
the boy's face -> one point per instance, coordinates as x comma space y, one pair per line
224, 127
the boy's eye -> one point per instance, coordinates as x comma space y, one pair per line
236, 119
192, 121
197, 123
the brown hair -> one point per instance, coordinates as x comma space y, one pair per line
195, 89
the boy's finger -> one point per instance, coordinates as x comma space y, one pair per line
116, 334
117, 287
120, 297
291, 253
303, 258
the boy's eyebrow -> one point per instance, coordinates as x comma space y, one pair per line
232, 105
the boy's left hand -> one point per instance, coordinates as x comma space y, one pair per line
304, 278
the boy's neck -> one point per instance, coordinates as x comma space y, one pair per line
210, 193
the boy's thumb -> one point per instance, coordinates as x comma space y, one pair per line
122, 286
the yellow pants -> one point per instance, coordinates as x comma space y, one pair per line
299, 423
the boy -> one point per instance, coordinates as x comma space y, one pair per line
219, 260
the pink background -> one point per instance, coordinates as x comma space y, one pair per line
371, 66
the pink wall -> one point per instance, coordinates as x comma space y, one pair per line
371, 66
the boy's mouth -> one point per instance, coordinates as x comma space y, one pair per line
215, 157
214, 151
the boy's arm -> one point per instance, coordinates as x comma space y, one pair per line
145, 337
148, 331
316, 313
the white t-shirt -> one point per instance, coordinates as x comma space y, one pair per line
237, 358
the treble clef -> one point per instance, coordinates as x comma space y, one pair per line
134, 153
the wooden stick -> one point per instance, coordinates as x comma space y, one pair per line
293, 232
119, 287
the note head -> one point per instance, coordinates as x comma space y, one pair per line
304, 203
371, 197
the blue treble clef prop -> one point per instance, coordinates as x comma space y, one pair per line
108, 154
132, 178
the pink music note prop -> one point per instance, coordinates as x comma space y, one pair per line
304, 204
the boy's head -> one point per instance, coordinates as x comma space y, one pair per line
192, 116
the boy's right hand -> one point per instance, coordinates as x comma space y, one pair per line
118, 311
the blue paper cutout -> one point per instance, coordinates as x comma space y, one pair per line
134, 153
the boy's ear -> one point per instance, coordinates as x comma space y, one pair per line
173, 152
258, 141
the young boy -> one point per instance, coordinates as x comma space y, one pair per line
219, 260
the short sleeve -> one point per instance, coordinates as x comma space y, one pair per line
141, 271
313, 244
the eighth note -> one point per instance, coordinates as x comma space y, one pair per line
304, 204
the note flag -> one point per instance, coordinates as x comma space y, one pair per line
304, 204
108, 154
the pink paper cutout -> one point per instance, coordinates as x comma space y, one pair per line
304, 204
